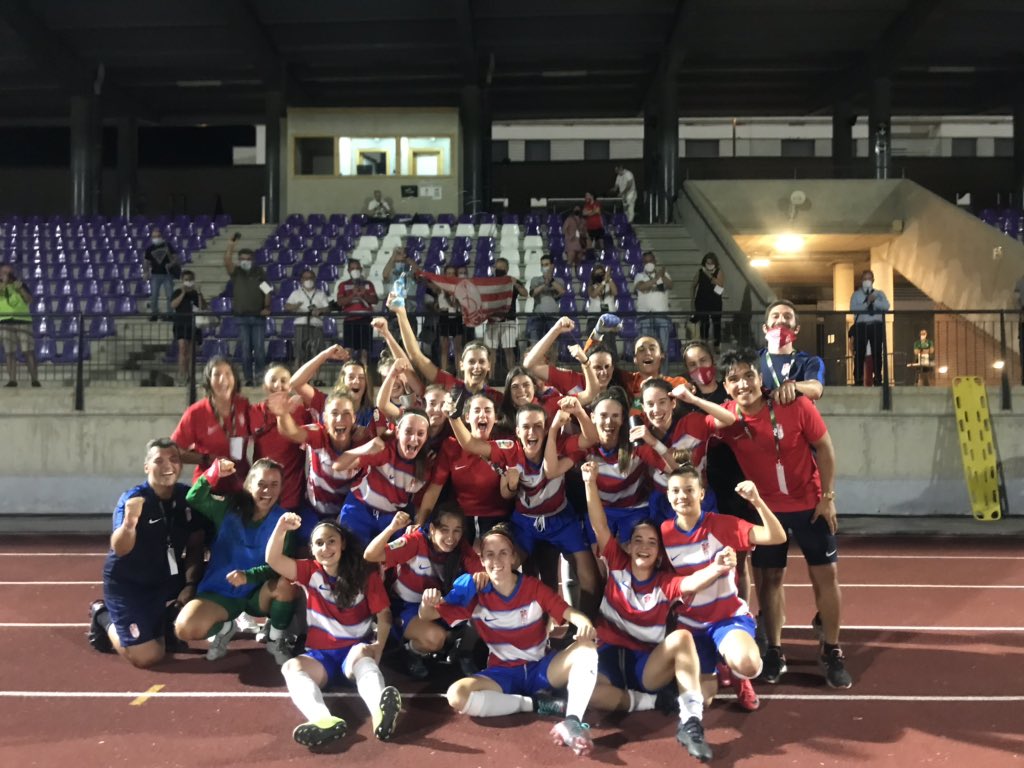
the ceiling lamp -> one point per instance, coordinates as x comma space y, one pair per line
789, 243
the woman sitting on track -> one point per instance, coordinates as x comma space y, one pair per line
154, 563
430, 557
719, 620
393, 472
636, 657
237, 578
510, 614
344, 598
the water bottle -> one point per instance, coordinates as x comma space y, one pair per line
398, 287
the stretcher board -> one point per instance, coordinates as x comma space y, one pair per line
982, 469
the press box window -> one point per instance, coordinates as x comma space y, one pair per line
374, 156
426, 156
314, 156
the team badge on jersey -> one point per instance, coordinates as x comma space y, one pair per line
505, 445
397, 543
705, 548
133, 630
523, 615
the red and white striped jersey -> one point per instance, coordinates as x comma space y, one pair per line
388, 482
326, 488
630, 488
515, 628
689, 551
538, 495
330, 626
634, 613
420, 566
691, 432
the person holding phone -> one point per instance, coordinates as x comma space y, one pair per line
250, 302
16, 323
162, 265
185, 301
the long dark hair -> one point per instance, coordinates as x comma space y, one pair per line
211, 366
507, 412
242, 501
352, 568
618, 394
451, 569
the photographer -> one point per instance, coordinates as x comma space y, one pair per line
162, 267
546, 291
708, 287
184, 301
16, 325
652, 287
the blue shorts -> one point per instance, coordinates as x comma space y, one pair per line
365, 522
816, 542
661, 510
562, 531
623, 667
137, 612
707, 642
523, 680
333, 662
620, 522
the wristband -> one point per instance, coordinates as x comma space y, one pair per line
830, 495
661, 448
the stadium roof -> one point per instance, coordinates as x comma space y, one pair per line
183, 61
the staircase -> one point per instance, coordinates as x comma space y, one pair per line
679, 254
209, 263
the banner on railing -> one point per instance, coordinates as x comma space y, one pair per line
480, 298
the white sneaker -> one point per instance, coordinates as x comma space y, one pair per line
280, 649
219, 643
246, 624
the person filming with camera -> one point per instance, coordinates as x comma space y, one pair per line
16, 325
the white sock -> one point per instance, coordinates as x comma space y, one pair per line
274, 633
495, 704
369, 682
639, 701
306, 695
691, 705
582, 679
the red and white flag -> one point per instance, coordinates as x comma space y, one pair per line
480, 297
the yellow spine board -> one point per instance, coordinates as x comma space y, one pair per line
977, 447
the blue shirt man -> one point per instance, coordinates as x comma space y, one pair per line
785, 371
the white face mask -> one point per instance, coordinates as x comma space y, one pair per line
356, 274
188, 283
246, 265
158, 241
649, 267
866, 285
308, 284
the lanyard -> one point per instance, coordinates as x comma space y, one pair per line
775, 429
771, 367
230, 430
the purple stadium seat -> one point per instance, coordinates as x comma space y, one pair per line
69, 352
327, 272
279, 350
96, 306
221, 305
287, 328
101, 328
212, 348
67, 328
228, 328
44, 351
277, 305
330, 328
275, 272
286, 287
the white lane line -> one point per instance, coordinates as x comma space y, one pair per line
844, 585
47, 583
936, 556
165, 694
53, 554
789, 627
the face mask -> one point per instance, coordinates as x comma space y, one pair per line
548, 269
705, 375
246, 265
866, 285
356, 274
649, 268
188, 283
779, 337
709, 268
308, 284
500, 272
158, 241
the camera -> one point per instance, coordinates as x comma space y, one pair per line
236, 237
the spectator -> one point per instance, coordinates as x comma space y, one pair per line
501, 332
708, 287
869, 307
625, 186
575, 236
652, 287
356, 298
16, 322
250, 301
449, 321
546, 291
924, 359
592, 220
379, 209
309, 302
785, 371
601, 296
185, 301
163, 266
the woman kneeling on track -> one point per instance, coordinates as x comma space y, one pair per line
637, 659
344, 597
237, 578
510, 614
425, 558
150, 565
719, 620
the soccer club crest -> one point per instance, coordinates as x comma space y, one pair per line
705, 548
133, 630
523, 614
779, 434
647, 599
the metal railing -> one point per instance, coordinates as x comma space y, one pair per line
82, 350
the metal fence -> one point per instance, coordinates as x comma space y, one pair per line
84, 350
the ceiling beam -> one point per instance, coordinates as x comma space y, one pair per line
673, 51
467, 40
271, 66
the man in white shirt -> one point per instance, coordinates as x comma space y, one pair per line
379, 209
651, 287
547, 291
625, 186
309, 302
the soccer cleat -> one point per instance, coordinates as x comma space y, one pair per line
725, 678
573, 734
691, 735
219, 643
247, 625
415, 664
774, 665
280, 649
386, 717
547, 703
817, 628
746, 696
833, 664
316, 734
98, 637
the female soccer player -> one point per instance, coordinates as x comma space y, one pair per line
269, 443
429, 557
237, 578
521, 388
344, 599
510, 615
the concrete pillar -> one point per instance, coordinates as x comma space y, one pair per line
272, 168
1017, 200
842, 286
880, 127
127, 165
842, 140
470, 122
668, 146
85, 155
838, 357
650, 184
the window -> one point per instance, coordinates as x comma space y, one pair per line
1004, 148
314, 156
367, 157
596, 149
701, 147
423, 156
798, 147
538, 150
965, 147
499, 151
